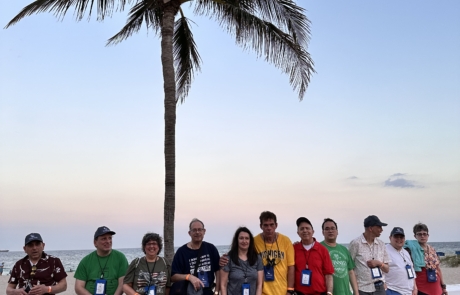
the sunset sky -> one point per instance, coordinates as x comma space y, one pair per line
378, 131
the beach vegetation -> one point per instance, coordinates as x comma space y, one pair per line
277, 30
450, 261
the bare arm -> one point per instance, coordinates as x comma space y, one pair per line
217, 274
441, 279
119, 289
260, 282
11, 290
353, 282
329, 283
128, 289
290, 277
80, 287
196, 282
223, 282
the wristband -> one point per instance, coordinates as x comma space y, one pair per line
443, 286
290, 289
49, 289
187, 276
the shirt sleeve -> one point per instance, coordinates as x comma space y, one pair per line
290, 252
178, 262
215, 259
129, 276
353, 250
123, 266
58, 272
351, 263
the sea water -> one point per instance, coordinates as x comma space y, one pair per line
71, 258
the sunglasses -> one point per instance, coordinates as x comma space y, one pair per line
34, 269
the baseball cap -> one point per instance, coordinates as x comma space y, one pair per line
397, 231
102, 231
33, 237
303, 219
373, 220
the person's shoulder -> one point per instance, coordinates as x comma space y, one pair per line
118, 253
358, 240
380, 242
284, 238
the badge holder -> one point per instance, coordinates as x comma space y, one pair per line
410, 272
376, 273
305, 277
269, 273
203, 276
100, 286
150, 290
431, 275
245, 289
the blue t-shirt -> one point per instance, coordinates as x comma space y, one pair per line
185, 259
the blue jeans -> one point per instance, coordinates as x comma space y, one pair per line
391, 292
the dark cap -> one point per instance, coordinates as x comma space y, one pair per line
33, 237
397, 231
102, 231
303, 219
373, 220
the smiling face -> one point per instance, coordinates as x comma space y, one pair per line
103, 244
330, 232
197, 232
151, 249
305, 232
243, 241
268, 227
34, 250
397, 241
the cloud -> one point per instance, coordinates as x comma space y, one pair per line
397, 180
352, 177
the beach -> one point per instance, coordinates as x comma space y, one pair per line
451, 278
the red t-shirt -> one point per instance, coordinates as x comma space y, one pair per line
319, 263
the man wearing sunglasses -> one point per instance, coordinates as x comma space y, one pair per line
37, 273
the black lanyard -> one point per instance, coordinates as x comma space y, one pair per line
150, 272
102, 269
272, 261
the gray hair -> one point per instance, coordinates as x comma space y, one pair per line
195, 220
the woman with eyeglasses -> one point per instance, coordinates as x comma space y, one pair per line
243, 273
429, 278
149, 274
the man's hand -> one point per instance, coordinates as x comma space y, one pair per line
38, 290
196, 282
223, 260
374, 263
20, 291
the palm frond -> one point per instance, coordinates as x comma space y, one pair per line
186, 57
265, 38
60, 8
146, 10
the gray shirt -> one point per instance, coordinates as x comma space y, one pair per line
237, 273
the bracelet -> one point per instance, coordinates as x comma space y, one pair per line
290, 289
443, 286
187, 276
49, 289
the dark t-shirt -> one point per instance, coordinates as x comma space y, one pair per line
49, 271
185, 259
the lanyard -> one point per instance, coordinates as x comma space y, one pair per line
309, 253
153, 269
372, 249
272, 261
102, 269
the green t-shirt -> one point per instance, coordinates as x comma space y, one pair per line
157, 273
341, 259
92, 266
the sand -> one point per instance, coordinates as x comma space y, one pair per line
451, 278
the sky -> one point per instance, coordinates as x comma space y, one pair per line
378, 131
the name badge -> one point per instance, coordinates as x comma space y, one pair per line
305, 277
150, 290
431, 275
410, 272
203, 276
376, 273
100, 286
269, 273
245, 289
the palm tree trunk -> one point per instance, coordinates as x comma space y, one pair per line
167, 61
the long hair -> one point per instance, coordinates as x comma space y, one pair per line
252, 254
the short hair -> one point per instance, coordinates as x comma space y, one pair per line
252, 253
195, 220
329, 220
152, 237
420, 227
267, 215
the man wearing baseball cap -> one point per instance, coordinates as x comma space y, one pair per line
401, 277
102, 270
37, 273
370, 257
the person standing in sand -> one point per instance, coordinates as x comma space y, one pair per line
370, 257
185, 259
37, 273
102, 271
344, 275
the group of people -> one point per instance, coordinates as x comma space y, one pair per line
268, 263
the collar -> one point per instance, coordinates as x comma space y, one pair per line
26, 258
364, 241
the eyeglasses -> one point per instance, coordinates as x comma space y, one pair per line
34, 269
422, 234
197, 230
329, 228
151, 244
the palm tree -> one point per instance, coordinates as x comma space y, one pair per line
275, 29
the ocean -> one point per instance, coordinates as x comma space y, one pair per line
71, 258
